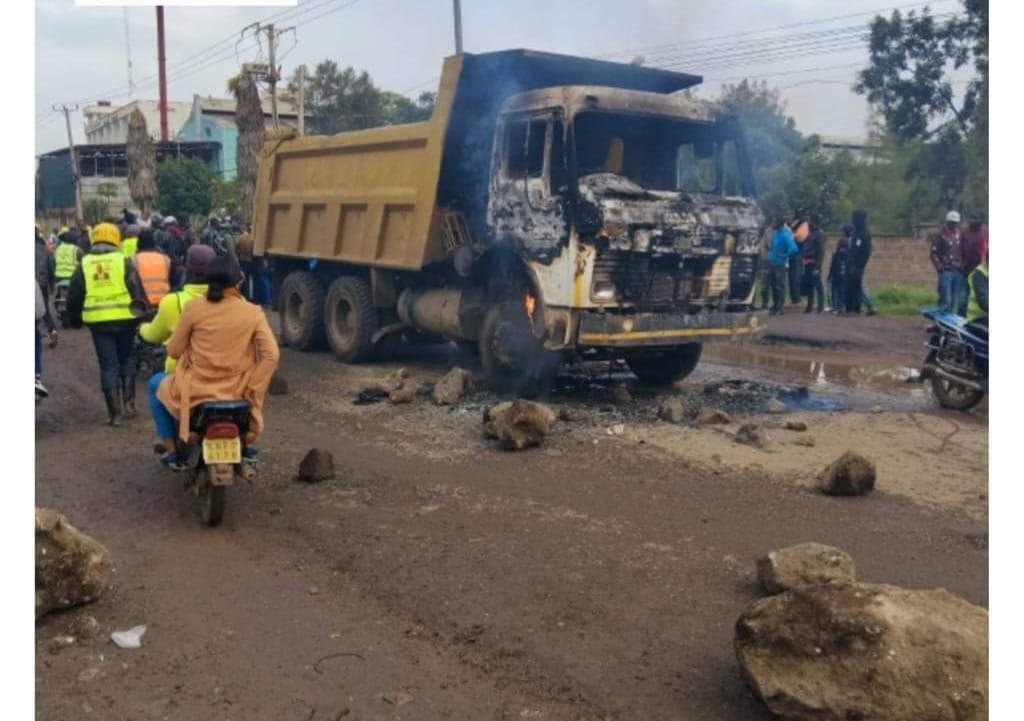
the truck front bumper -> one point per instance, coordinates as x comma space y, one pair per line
631, 330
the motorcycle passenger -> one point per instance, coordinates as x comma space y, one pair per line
153, 267
225, 351
101, 291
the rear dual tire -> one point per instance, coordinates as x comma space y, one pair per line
343, 317
302, 311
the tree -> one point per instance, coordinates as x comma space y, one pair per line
772, 136
250, 122
397, 109
141, 158
227, 195
183, 187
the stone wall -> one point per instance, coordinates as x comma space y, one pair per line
895, 260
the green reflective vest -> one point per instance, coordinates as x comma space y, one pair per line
66, 257
129, 246
106, 289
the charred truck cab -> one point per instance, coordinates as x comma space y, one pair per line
553, 208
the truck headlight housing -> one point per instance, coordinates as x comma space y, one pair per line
603, 291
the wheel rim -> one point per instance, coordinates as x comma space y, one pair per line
343, 322
293, 314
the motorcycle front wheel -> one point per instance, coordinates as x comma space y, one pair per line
955, 396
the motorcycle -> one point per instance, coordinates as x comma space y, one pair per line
214, 454
957, 360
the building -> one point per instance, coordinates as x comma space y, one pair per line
104, 169
105, 123
213, 119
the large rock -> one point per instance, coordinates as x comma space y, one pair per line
672, 411
450, 389
805, 564
318, 465
518, 424
869, 652
850, 475
278, 385
405, 394
71, 567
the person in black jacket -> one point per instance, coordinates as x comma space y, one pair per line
838, 271
812, 255
860, 254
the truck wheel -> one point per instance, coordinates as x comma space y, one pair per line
302, 311
350, 319
511, 356
666, 367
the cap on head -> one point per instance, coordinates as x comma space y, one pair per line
197, 258
106, 233
170, 220
952, 217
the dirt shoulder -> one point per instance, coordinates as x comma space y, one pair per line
596, 577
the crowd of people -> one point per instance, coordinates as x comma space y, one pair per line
793, 255
132, 281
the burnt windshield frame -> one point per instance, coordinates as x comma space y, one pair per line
684, 131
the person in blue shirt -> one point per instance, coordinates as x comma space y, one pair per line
782, 249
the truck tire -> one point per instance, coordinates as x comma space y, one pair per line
666, 367
532, 372
302, 311
350, 319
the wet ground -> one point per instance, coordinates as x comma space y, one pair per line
596, 577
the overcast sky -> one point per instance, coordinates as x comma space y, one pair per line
81, 51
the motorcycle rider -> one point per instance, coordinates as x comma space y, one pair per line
101, 291
153, 267
159, 330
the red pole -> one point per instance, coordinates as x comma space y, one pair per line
162, 60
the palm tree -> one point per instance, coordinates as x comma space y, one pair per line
141, 163
249, 120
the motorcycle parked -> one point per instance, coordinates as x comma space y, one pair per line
214, 454
957, 361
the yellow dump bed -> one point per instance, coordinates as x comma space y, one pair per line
366, 197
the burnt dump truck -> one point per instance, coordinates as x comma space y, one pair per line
552, 209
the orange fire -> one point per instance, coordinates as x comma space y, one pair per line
531, 304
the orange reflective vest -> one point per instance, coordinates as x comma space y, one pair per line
155, 273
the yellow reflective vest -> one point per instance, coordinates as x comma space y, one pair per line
129, 246
66, 257
106, 289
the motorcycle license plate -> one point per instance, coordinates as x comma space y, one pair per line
222, 450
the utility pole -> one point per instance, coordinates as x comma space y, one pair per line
457, 8
128, 52
272, 75
162, 67
75, 174
302, 100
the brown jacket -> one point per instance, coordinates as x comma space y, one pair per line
225, 351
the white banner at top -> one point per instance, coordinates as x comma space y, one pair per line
187, 3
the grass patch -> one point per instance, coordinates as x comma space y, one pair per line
897, 300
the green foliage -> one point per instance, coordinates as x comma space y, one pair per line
772, 136
95, 210
183, 187
226, 194
897, 300
338, 100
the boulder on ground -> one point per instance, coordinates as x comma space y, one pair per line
712, 417
621, 396
318, 465
672, 411
518, 424
452, 387
750, 435
405, 394
798, 426
278, 385
850, 475
802, 565
866, 651
71, 566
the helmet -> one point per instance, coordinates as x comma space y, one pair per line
132, 231
170, 220
106, 233
952, 217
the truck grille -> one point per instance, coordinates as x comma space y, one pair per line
643, 280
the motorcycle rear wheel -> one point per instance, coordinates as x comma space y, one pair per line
212, 501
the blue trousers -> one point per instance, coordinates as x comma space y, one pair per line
114, 353
166, 425
953, 291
